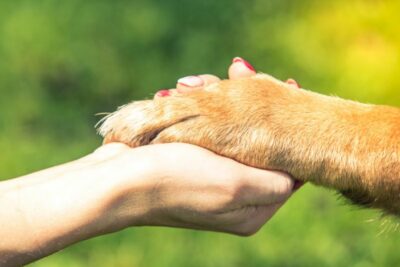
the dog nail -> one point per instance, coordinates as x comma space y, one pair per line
163, 93
297, 185
293, 82
191, 81
241, 60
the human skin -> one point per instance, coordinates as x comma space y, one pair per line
260, 121
115, 187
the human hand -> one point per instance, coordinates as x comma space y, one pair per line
115, 187
181, 185
239, 69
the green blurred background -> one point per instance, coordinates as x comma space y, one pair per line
61, 62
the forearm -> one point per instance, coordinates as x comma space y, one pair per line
46, 211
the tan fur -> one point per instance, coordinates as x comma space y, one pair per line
263, 122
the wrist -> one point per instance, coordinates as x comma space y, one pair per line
125, 198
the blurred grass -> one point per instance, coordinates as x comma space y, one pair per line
63, 62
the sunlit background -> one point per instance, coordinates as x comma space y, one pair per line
61, 62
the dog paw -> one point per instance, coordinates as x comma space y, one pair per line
140, 122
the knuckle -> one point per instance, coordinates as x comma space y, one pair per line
288, 184
285, 184
239, 186
109, 150
227, 197
232, 189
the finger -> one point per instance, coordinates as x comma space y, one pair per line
293, 83
189, 83
162, 93
174, 92
240, 68
192, 83
261, 187
209, 79
166, 92
108, 151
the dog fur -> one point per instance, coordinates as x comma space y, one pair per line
263, 122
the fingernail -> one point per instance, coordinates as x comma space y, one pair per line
163, 93
241, 60
293, 82
297, 185
191, 81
